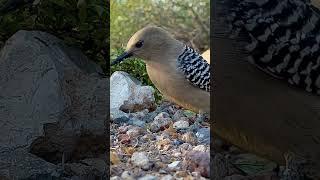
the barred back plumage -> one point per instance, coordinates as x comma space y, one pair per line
195, 68
283, 38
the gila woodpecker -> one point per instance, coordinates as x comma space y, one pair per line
178, 71
267, 78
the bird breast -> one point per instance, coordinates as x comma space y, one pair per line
175, 87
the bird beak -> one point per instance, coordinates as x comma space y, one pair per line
121, 58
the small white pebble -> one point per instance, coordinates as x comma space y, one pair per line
127, 175
176, 154
174, 165
201, 148
115, 178
181, 124
161, 115
148, 177
139, 159
196, 174
167, 177
134, 131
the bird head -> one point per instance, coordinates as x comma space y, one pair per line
149, 44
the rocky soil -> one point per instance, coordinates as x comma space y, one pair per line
153, 144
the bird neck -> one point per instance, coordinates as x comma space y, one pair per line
167, 53
176, 48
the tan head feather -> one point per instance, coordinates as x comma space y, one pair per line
152, 44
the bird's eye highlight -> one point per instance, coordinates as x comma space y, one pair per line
139, 44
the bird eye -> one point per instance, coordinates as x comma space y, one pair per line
139, 44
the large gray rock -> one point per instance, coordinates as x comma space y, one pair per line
22, 165
127, 93
51, 97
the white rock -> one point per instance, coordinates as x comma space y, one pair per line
185, 146
148, 177
196, 174
115, 178
139, 115
174, 165
161, 115
201, 148
178, 115
203, 135
176, 154
127, 92
181, 124
157, 124
116, 113
126, 175
167, 177
135, 131
140, 159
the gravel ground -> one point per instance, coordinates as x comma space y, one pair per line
174, 143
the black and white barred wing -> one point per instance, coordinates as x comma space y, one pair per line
195, 68
283, 38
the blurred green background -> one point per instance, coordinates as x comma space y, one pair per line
187, 20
